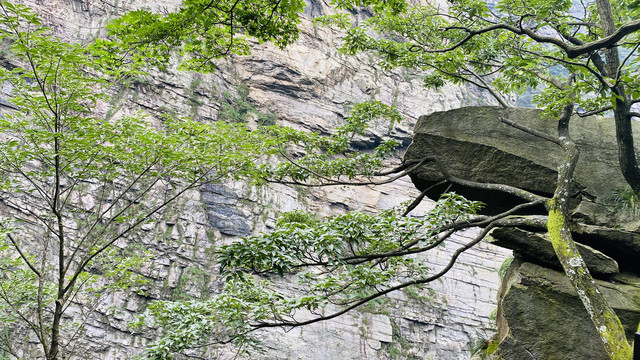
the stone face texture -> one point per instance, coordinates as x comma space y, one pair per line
563, 330
505, 155
308, 86
539, 313
536, 247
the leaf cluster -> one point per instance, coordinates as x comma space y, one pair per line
507, 48
201, 31
340, 260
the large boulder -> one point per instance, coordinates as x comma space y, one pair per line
539, 313
473, 144
541, 317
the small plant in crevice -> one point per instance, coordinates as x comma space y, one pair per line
478, 344
502, 272
238, 108
625, 200
399, 348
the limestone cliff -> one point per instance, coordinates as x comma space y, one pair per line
308, 85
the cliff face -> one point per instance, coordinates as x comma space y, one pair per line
308, 85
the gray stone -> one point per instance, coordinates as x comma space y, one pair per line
229, 221
473, 144
536, 247
223, 212
622, 245
539, 314
309, 86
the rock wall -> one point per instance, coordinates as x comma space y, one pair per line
310, 86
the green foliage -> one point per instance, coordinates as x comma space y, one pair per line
200, 31
625, 200
341, 260
319, 161
506, 264
239, 108
99, 179
296, 218
474, 44
90, 182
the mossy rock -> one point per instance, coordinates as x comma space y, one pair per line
541, 317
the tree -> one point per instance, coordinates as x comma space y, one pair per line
201, 31
346, 261
75, 187
572, 50
584, 57
580, 57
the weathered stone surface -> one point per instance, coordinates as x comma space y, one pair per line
473, 144
224, 212
624, 246
537, 248
540, 314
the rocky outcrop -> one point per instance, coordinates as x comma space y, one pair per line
473, 144
539, 313
536, 247
541, 317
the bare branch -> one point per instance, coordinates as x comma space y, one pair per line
531, 131
420, 197
334, 182
19, 250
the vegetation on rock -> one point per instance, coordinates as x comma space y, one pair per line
57, 153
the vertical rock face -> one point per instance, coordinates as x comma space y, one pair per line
310, 86
539, 313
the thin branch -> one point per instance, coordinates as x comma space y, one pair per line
334, 182
445, 270
572, 51
617, 76
512, 190
457, 226
420, 197
490, 89
595, 112
531, 131
22, 255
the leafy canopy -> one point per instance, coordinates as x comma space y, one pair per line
200, 31
77, 185
514, 46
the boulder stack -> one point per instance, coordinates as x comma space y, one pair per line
539, 313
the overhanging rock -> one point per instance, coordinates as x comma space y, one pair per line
539, 314
473, 144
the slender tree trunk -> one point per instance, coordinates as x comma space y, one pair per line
56, 207
604, 319
622, 115
624, 137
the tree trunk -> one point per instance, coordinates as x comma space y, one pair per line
604, 319
624, 132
